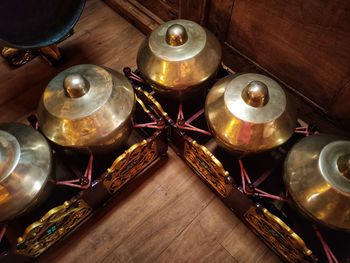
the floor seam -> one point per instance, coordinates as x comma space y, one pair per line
185, 228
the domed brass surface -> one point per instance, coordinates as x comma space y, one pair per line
176, 35
249, 113
343, 164
25, 166
9, 154
75, 85
179, 58
256, 94
87, 106
315, 175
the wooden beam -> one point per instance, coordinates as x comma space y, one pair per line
137, 14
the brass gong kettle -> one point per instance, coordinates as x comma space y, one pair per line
25, 167
317, 176
179, 59
87, 107
249, 113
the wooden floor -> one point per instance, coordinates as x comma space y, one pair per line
171, 216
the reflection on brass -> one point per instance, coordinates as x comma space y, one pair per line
155, 102
42, 234
176, 35
316, 176
87, 106
255, 94
25, 167
343, 164
278, 235
249, 113
17, 57
75, 85
179, 58
128, 165
210, 168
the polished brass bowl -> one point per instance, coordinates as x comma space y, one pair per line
25, 167
317, 177
249, 113
87, 107
179, 58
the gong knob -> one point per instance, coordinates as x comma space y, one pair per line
344, 165
176, 35
256, 94
75, 85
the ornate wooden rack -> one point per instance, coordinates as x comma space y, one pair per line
31, 235
252, 188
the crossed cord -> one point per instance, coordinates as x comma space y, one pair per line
329, 254
181, 123
82, 181
250, 188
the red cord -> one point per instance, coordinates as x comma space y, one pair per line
76, 182
303, 130
195, 116
151, 125
245, 176
2, 231
330, 256
185, 125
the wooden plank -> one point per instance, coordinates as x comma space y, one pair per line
306, 44
340, 107
240, 243
194, 10
219, 16
176, 209
200, 242
165, 9
137, 14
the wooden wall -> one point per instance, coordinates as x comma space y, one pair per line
304, 43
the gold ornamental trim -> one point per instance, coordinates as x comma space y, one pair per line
228, 69
208, 167
57, 222
17, 57
130, 164
154, 101
278, 235
143, 106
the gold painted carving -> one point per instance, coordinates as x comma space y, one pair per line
57, 222
154, 101
17, 57
278, 235
210, 168
142, 104
130, 164
229, 70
